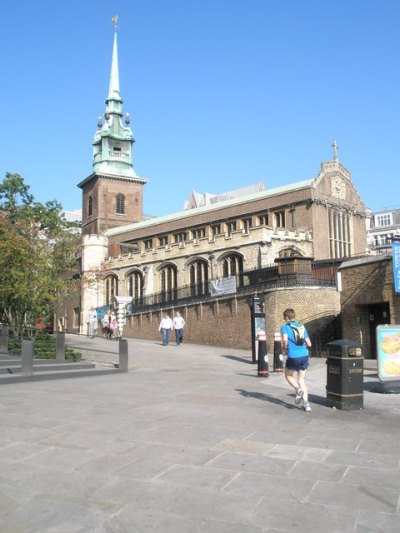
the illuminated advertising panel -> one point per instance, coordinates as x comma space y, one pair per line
388, 352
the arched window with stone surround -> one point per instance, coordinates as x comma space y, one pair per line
135, 286
232, 265
168, 279
90, 206
111, 287
120, 204
198, 277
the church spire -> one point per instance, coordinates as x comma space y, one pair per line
113, 91
113, 140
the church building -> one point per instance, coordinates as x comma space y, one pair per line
168, 263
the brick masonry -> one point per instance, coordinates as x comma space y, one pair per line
227, 321
366, 283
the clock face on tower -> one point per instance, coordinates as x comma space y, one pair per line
338, 187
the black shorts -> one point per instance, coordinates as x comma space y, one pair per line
297, 363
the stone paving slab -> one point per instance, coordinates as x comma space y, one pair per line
191, 439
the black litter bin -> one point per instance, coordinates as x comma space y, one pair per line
345, 375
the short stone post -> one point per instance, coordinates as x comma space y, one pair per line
27, 357
60, 347
4, 334
123, 355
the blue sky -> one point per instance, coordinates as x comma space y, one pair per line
221, 93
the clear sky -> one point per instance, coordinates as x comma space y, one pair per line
221, 93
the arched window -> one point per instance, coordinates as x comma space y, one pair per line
135, 286
168, 283
232, 265
111, 283
198, 274
90, 206
120, 204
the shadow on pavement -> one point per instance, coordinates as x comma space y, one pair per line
266, 398
236, 358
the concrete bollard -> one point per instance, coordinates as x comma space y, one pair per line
123, 355
27, 357
60, 346
278, 357
262, 355
4, 334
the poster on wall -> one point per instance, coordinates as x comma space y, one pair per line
396, 265
388, 352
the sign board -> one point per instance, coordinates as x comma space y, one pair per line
101, 311
388, 352
396, 265
257, 324
222, 286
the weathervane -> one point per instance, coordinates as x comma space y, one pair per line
115, 20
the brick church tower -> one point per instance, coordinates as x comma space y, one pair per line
113, 194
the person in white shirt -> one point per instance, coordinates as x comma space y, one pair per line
178, 325
92, 322
165, 328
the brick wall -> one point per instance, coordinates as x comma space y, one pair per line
227, 321
365, 284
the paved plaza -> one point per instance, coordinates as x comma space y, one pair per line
192, 440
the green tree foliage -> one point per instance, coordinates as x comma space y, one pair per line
38, 250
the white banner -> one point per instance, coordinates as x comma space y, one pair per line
223, 286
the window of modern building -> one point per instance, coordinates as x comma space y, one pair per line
90, 206
382, 240
198, 273
135, 286
280, 221
383, 220
232, 265
120, 204
168, 283
111, 283
339, 234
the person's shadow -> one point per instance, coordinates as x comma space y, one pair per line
266, 398
319, 400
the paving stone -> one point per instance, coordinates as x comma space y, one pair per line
365, 496
192, 440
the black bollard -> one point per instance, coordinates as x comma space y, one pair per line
278, 357
262, 355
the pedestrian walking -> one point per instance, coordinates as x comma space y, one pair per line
105, 323
165, 328
92, 322
114, 328
295, 342
178, 324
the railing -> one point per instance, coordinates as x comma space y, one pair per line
249, 282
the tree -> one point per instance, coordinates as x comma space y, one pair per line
38, 251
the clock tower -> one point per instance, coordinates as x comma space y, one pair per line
113, 194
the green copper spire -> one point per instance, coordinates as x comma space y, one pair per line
113, 140
113, 91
